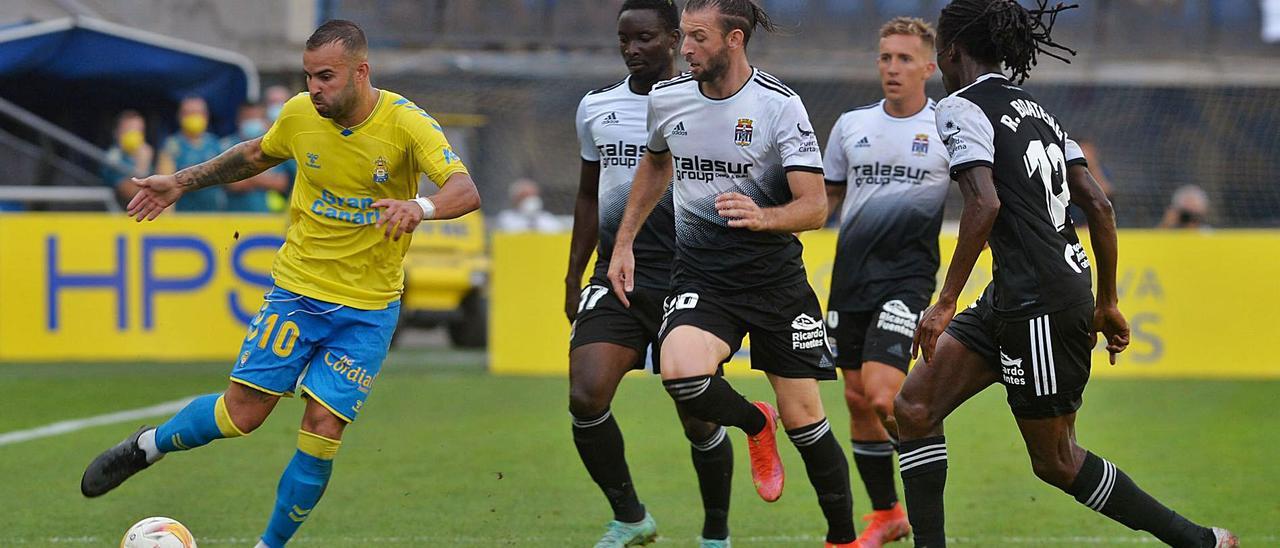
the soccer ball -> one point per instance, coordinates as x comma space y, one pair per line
158, 532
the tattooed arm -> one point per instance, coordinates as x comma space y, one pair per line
158, 192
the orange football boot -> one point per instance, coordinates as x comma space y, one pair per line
766, 464
884, 526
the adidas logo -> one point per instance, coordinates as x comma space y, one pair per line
611, 119
863, 143
679, 130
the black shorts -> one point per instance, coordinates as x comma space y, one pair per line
882, 335
1043, 362
603, 318
788, 338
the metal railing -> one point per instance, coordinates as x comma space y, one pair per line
54, 179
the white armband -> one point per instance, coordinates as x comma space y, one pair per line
428, 207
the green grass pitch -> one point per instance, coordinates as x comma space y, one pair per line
446, 455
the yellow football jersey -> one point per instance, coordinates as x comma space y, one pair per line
333, 250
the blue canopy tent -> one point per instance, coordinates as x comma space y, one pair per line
80, 72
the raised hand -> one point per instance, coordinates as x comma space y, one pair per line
155, 194
399, 217
741, 211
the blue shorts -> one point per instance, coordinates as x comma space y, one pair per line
330, 352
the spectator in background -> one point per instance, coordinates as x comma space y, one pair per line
1096, 168
129, 149
192, 144
275, 97
1188, 209
1090, 149
526, 213
251, 195
1271, 21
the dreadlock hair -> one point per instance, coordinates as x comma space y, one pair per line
666, 9
743, 15
1002, 31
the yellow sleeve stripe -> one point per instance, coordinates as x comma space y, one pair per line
223, 418
318, 446
258, 388
450, 172
306, 391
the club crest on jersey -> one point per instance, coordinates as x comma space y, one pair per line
742, 133
920, 146
380, 170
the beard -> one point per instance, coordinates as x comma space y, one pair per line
715, 67
342, 103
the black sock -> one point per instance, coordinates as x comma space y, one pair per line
713, 461
599, 443
713, 400
923, 464
875, 466
1107, 489
829, 473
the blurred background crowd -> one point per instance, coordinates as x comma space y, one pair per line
1176, 99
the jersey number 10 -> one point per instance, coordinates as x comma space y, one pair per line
1052, 165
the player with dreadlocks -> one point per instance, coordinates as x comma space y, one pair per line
1034, 327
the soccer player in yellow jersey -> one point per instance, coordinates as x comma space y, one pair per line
326, 324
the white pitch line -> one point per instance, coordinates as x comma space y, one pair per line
767, 539
64, 427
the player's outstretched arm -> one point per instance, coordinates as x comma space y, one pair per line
981, 205
456, 198
158, 192
652, 178
807, 209
586, 233
1088, 195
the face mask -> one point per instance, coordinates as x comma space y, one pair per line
131, 141
530, 205
273, 112
252, 128
194, 124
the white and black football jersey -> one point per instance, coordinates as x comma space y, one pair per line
1039, 265
744, 143
895, 171
612, 130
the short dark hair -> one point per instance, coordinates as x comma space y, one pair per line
129, 114
667, 11
342, 31
1002, 31
743, 15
